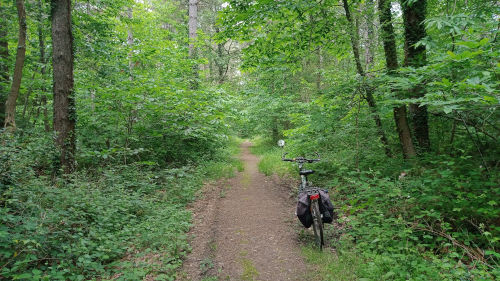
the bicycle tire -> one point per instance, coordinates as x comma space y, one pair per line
317, 224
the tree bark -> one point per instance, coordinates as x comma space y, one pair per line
46, 123
319, 77
130, 43
219, 60
27, 99
64, 101
10, 105
353, 34
43, 62
4, 65
391, 59
370, 38
193, 26
413, 18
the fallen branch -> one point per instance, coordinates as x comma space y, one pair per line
473, 254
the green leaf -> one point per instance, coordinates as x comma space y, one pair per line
447, 109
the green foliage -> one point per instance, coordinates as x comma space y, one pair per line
146, 140
331, 267
407, 228
270, 158
432, 218
125, 220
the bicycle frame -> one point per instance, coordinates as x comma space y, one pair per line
303, 179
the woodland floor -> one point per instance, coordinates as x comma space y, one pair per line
245, 229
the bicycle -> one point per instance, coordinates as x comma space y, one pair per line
313, 194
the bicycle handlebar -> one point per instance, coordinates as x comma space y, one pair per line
300, 159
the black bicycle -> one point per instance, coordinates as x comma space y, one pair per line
313, 193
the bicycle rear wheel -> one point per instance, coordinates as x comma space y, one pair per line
317, 224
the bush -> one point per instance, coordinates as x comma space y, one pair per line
122, 221
415, 229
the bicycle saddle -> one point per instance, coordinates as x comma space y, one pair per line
306, 172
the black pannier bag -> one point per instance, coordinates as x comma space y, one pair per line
304, 210
326, 206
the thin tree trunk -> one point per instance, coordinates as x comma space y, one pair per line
193, 53
413, 17
353, 34
370, 39
220, 66
45, 113
275, 130
357, 134
452, 135
27, 98
130, 42
391, 60
4, 57
130, 120
319, 77
219, 60
10, 105
64, 101
37, 105
192, 25
43, 62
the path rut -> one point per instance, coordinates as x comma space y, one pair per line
244, 230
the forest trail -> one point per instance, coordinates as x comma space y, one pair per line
244, 230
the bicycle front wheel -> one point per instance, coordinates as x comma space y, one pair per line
317, 224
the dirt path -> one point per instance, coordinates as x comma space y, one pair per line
244, 230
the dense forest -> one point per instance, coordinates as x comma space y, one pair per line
114, 114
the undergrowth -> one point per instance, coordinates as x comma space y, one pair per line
329, 266
270, 158
437, 221
121, 222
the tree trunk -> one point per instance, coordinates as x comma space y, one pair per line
219, 60
64, 101
275, 129
192, 25
368, 90
43, 62
27, 99
319, 70
10, 105
193, 53
4, 57
391, 59
370, 38
132, 115
130, 43
413, 17
46, 124
353, 35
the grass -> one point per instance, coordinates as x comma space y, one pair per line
249, 270
226, 164
270, 158
330, 267
211, 278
